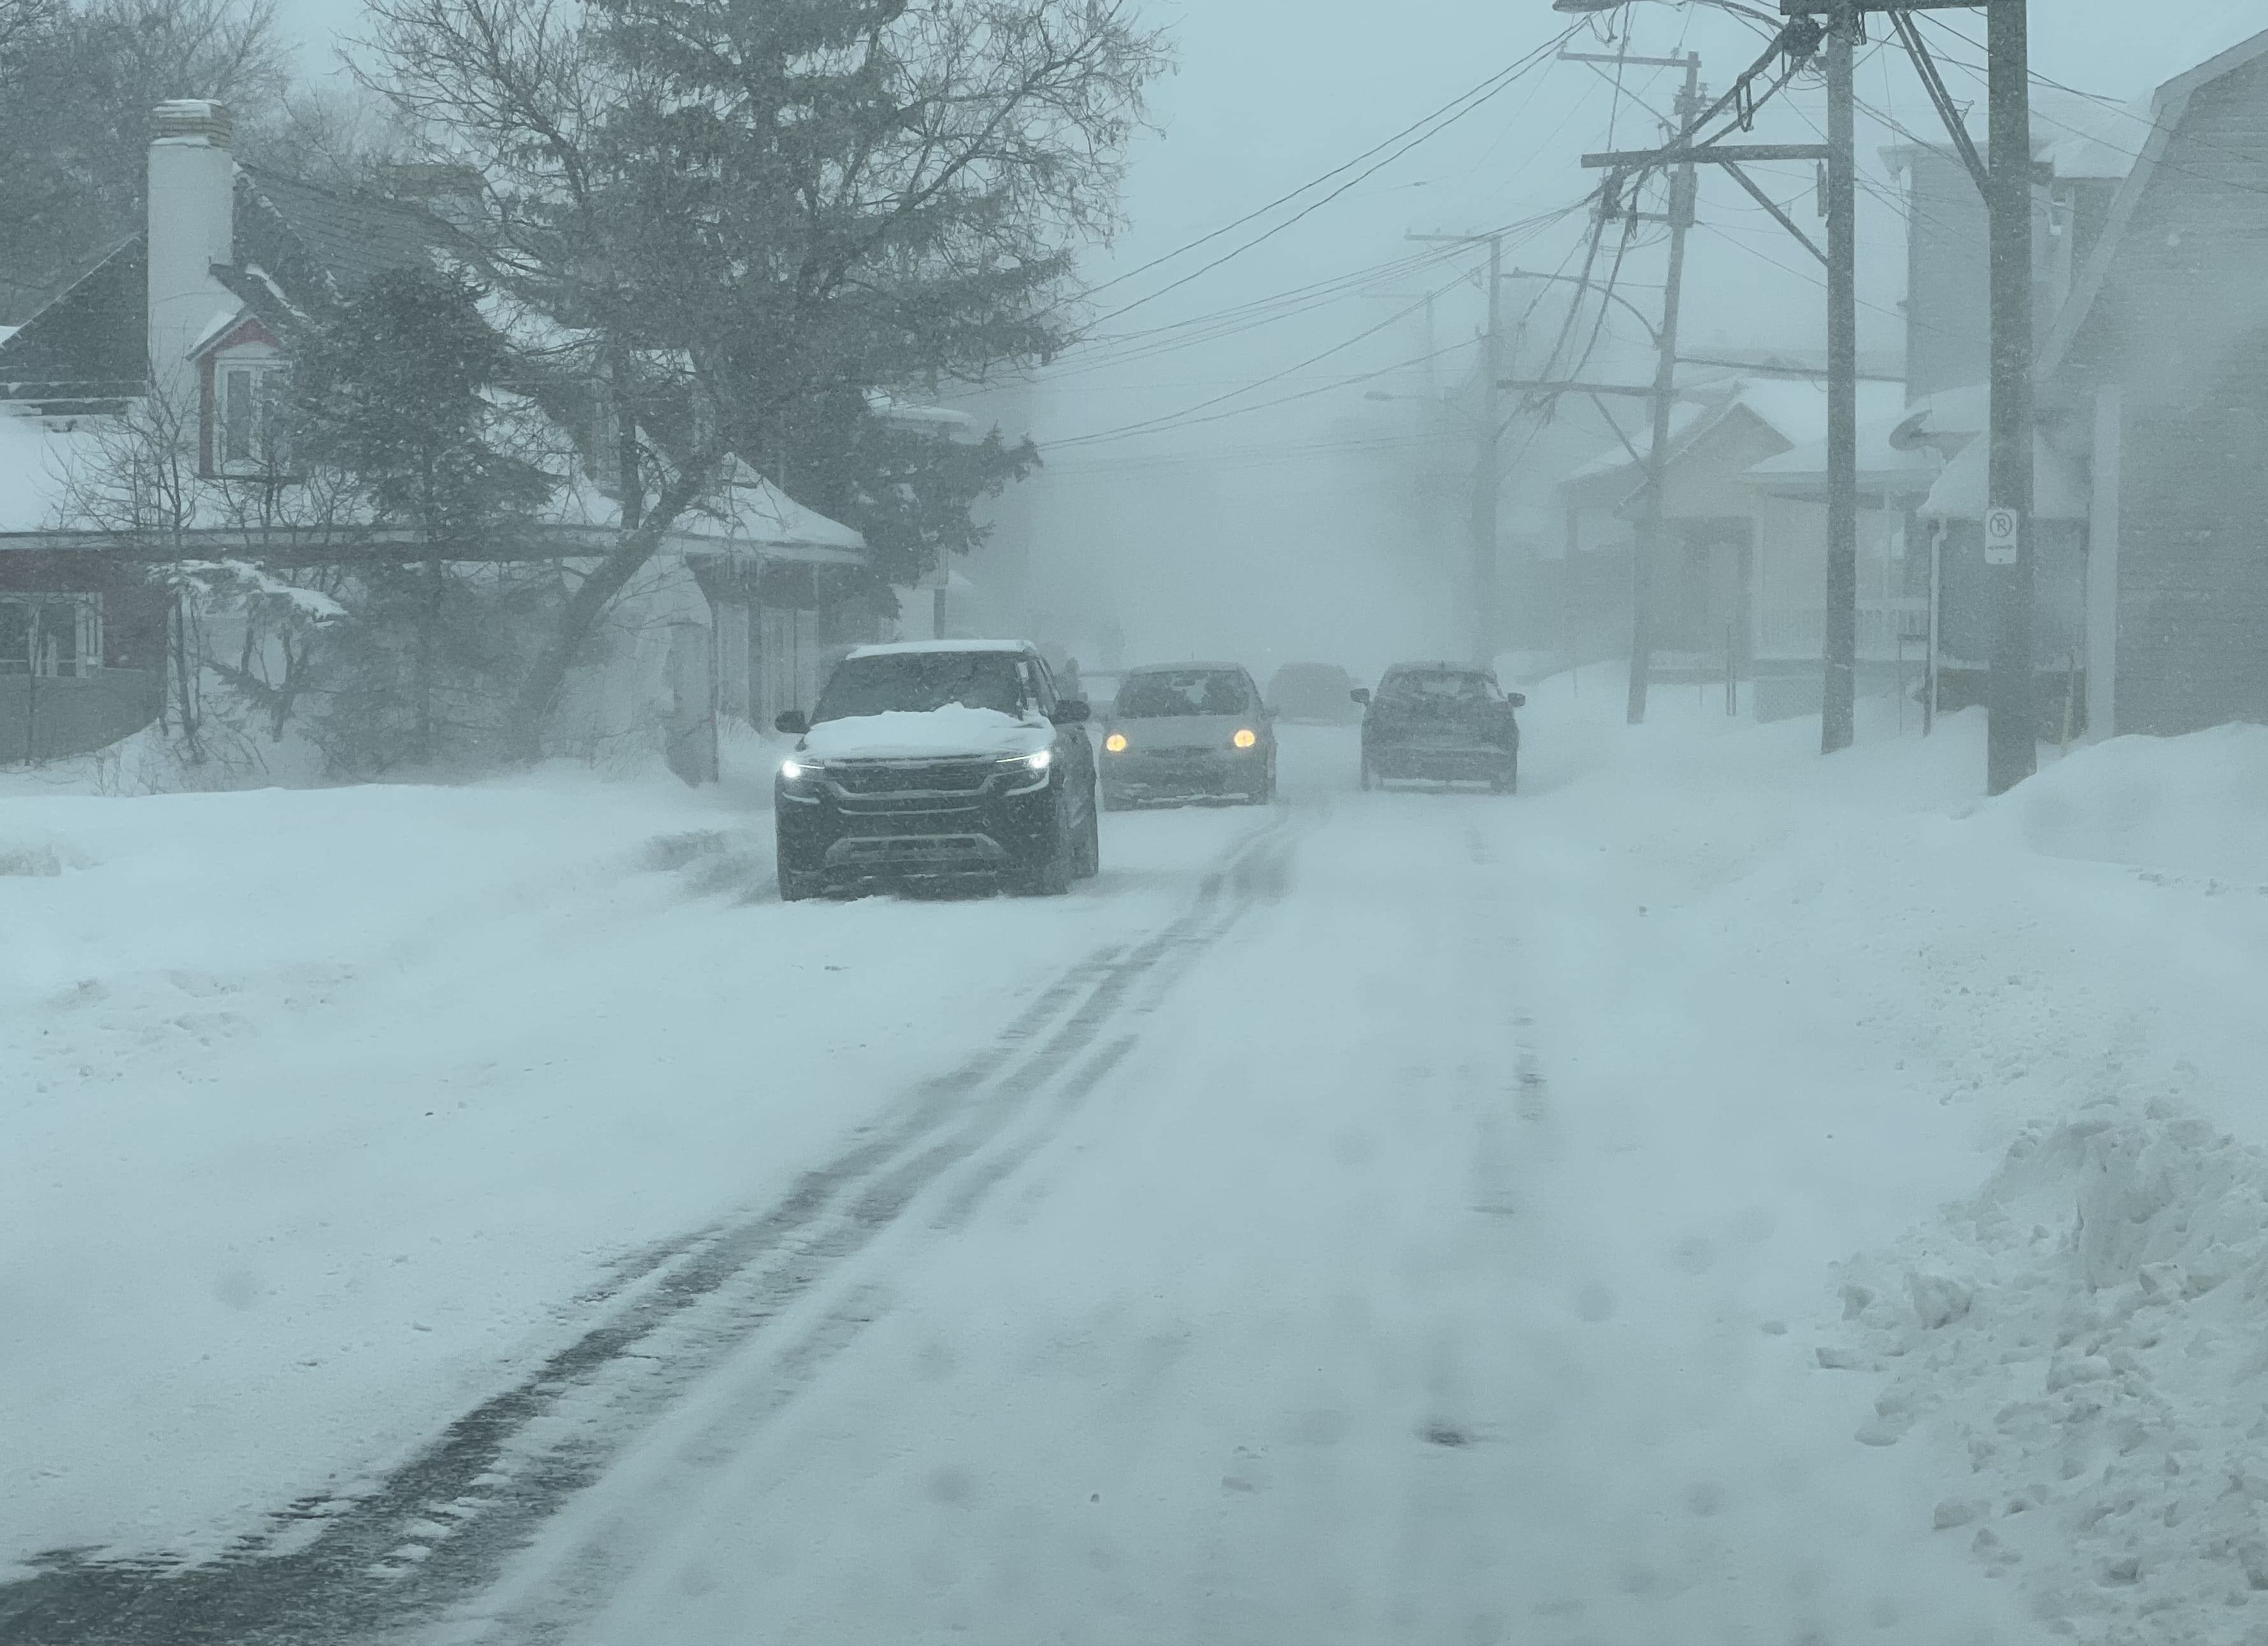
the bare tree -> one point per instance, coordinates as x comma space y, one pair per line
739, 213
206, 540
78, 81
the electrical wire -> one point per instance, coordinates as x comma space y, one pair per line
1434, 124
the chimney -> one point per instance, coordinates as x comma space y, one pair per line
192, 227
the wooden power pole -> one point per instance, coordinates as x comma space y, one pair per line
2012, 734
1647, 555
1839, 639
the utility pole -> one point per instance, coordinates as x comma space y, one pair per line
2012, 748
1488, 479
1840, 643
1684, 191
1488, 476
2011, 752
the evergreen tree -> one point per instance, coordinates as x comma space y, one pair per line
396, 396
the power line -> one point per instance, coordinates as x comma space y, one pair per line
1187, 420
1191, 415
1440, 121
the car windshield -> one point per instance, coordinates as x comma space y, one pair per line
1164, 694
920, 682
1438, 687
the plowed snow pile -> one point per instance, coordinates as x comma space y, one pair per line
2090, 1328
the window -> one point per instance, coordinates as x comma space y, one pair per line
50, 634
249, 397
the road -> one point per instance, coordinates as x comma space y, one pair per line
1314, 1263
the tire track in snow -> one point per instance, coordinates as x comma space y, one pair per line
442, 1525
554, 1590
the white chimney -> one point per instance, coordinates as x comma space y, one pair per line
192, 227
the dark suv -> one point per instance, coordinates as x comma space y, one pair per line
1443, 722
938, 758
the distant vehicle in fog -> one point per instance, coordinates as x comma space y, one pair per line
1188, 732
1439, 722
1313, 694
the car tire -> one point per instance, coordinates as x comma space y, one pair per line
1369, 776
1050, 870
1089, 863
1508, 783
1265, 795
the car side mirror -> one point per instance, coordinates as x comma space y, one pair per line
1517, 699
1361, 695
794, 721
1072, 711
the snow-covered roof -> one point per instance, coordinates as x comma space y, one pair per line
904, 647
1795, 409
2085, 137
1800, 472
1684, 418
2059, 489
753, 518
1945, 420
890, 408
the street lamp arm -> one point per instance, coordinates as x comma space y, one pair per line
1636, 313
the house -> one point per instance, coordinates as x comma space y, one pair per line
1740, 589
191, 321
2154, 375
2077, 153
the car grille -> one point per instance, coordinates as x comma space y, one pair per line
904, 777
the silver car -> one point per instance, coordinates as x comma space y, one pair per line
1188, 732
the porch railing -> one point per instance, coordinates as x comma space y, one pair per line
1889, 628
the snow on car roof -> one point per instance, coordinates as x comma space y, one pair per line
1184, 668
905, 648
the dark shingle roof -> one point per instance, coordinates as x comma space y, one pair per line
318, 243
87, 345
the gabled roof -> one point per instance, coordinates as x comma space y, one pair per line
1794, 410
309, 239
2168, 110
85, 348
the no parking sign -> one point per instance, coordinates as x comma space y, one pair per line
2001, 528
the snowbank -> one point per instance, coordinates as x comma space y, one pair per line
2188, 806
2086, 1329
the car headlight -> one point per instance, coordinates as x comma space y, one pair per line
1246, 738
1115, 742
1037, 760
796, 771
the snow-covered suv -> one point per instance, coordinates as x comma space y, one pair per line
938, 758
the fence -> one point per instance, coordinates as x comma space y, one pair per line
1889, 629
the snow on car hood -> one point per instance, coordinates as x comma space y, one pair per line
897, 735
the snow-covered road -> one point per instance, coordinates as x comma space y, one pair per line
1399, 1216
1298, 1302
